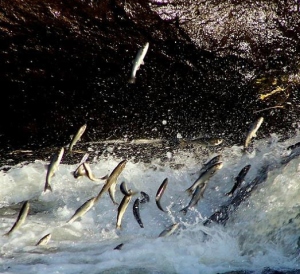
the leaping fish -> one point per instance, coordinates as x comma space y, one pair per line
137, 62
239, 179
122, 208
252, 131
90, 174
205, 176
76, 137
169, 230
136, 212
112, 179
198, 193
160, 192
82, 209
21, 218
56, 159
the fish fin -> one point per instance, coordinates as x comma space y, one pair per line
132, 80
142, 63
47, 187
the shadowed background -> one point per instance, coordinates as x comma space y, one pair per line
65, 63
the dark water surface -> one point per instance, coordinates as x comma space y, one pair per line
65, 63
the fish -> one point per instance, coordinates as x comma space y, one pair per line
169, 230
252, 131
55, 161
80, 171
82, 209
44, 240
76, 137
20, 219
136, 212
89, 173
123, 188
145, 198
137, 62
211, 162
111, 192
198, 193
112, 179
160, 192
239, 179
208, 142
121, 209
119, 247
205, 176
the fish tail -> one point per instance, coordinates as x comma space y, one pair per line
47, 187
132, 80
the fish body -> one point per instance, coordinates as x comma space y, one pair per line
21, 218
136, 212
89, 172
145, 198
160, 192
239, 179
124, 189
112, 193
169, 230
137, 62
211, 162
208, 142
121, 209
112, 179
205, 176
197, 195
252, 131
44, 240
76, 137
82, 209
55, 161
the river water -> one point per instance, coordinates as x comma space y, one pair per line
261, 233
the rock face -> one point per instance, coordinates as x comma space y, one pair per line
211, 69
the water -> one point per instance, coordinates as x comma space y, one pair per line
262, 232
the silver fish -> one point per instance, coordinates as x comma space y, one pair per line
137, 62
55, 161
205, 176
112, 179
82, 209
44, 240
252, 131
160, 192
198, 193
76, 137
112, 192
208, 142
20, 219
169, 230
239, 179
136, 212
211, 162
89, 173
121, 209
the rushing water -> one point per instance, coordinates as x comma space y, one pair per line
262, 232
